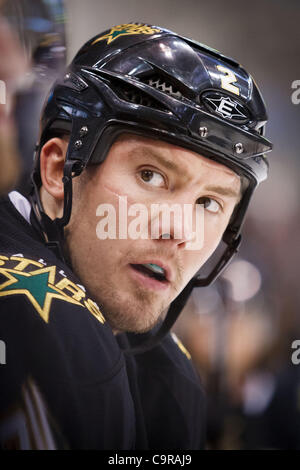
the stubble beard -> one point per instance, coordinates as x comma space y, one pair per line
136, 310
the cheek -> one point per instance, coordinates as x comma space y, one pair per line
212, 236
113, 192
195, 259
112, 184
213, 230
214, 227
99, 218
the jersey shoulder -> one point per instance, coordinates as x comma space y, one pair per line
171, 394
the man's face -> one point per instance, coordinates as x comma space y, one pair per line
116, 271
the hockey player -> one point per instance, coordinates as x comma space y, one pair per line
144, 116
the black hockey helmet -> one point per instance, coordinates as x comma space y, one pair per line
146, 80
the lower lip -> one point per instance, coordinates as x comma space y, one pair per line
148, 282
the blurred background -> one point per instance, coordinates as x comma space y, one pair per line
240, 330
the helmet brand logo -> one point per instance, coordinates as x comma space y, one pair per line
126, 30
225, 107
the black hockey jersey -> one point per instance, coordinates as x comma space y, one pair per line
168, 393
65, 382
64, 376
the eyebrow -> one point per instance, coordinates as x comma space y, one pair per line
223, 191
171, 165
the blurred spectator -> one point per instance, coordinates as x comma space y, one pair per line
40, 27
13, 68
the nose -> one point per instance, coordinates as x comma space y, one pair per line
182, 224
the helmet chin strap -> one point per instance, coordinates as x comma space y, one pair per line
171, 317
53, 230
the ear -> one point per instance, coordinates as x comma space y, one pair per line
52, 159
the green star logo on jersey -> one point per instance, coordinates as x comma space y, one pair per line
126, 30
37, 286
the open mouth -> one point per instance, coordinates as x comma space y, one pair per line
151, 270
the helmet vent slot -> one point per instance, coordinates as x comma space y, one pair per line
160, 84
136, 96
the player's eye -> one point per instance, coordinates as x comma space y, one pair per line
152, 177
209, 204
